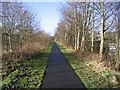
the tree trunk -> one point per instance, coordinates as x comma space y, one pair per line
83, 26
117, 66
1, 52
92, 36
78, 29
10, 44
83, 39
75, 36
75, 27
78, 39
75, 47
102, 31
65, 38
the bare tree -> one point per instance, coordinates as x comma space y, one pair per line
92, 31
117, 21
102, 30
18, 28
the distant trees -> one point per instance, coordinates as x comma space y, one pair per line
19, 28
86, 23
77, 16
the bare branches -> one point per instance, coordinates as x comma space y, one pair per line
19, 28
82, 17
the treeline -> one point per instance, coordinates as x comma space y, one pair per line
91, 27
21, 33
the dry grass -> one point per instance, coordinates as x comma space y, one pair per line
27, 51
69, 48
101, 67
93, 61
30, 48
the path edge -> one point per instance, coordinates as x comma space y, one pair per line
70, 65
45, 68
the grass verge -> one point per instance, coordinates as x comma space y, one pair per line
28, 73
90, 76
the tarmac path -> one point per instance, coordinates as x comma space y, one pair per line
59, 73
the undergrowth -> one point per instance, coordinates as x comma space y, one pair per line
26, 73
91, 73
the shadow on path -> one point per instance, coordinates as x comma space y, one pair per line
59, 73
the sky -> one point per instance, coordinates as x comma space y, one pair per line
47, 13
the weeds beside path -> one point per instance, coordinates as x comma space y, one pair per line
29, 72
90, 76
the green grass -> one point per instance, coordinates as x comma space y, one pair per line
90, 77
28, 73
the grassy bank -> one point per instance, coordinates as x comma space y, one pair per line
26, 73
89, 72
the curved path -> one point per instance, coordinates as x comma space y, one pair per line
59, 73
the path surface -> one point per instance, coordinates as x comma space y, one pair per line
59, 74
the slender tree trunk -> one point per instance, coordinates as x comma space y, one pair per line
102, 31
117, 66
67, 41
75, 41
76, 27
92, 36
118, 61
118, 32
1, 52
10, 44
65, 38
83, 39
83, 31
78, 39
118, 52
75, 35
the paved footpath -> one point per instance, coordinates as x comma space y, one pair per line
59, 73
